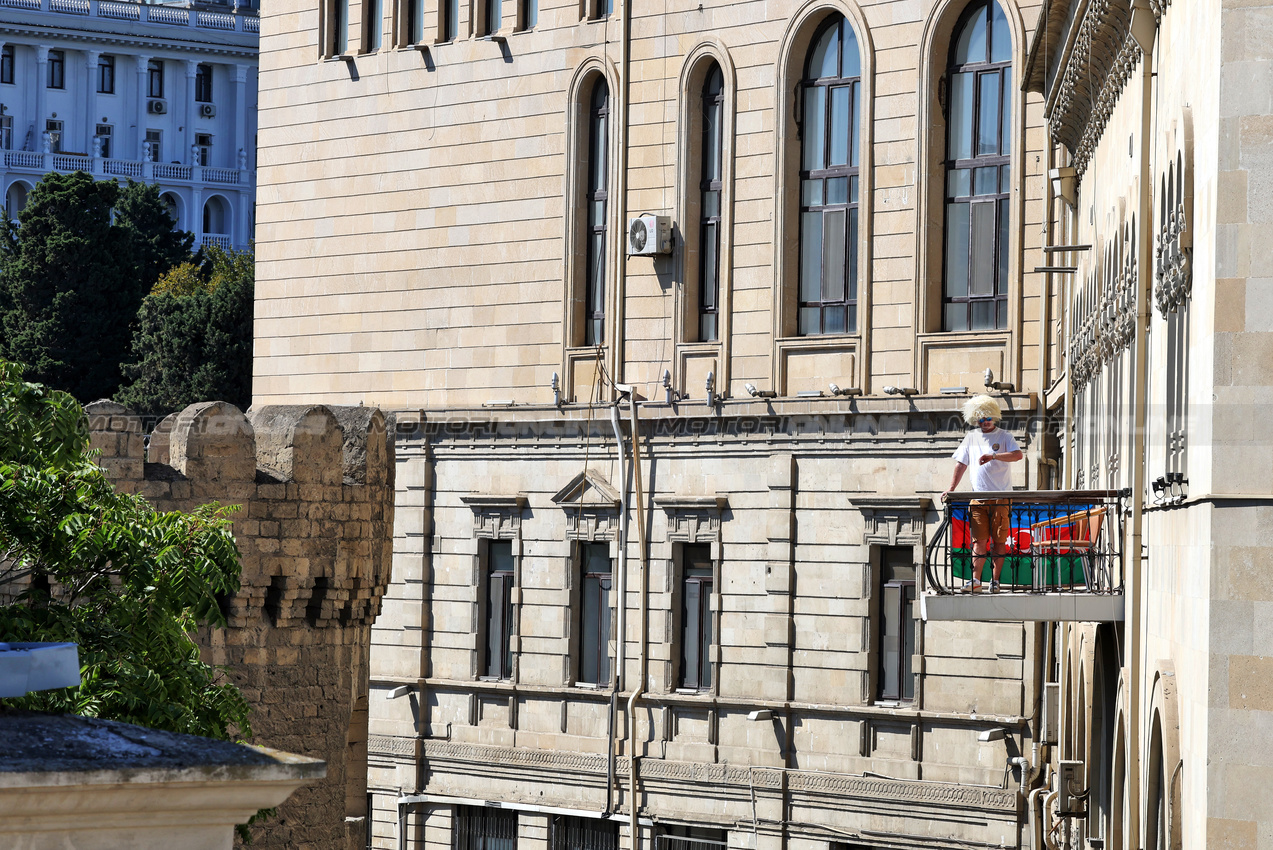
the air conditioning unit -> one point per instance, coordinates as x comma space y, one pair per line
156, 107
650, 234
207, 110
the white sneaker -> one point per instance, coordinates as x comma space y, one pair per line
972, 586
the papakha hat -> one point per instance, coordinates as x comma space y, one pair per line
980, 407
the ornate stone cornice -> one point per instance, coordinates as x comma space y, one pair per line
472, 755
903, 791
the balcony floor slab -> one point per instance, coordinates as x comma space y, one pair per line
1020, 607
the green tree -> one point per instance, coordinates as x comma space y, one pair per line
73, 272
104, 570
194, 337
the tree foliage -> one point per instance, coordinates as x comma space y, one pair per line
73, 272
194, 337
104, 570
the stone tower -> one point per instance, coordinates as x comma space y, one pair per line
315, 525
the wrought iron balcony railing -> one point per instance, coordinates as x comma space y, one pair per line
1061, 545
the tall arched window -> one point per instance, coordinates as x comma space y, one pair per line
710, 186
598, 184
978, 171
829, 181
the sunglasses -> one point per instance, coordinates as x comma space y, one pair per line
985, 419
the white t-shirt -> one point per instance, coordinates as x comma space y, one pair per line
994, 475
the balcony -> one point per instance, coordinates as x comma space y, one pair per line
1063, 560
39, 163
237, 18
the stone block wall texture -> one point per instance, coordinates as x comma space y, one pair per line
314, 486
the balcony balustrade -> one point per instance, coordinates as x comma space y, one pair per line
239, 19
1062, 560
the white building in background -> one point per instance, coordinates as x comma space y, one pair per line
164, 94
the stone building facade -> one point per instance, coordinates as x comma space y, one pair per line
158, 93
660, 518
314, 489
1160, 116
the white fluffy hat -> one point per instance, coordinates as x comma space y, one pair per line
979, 407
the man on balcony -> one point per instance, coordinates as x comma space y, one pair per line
993, 449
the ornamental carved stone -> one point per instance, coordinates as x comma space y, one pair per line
1175, 266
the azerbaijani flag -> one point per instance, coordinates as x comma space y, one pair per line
1031, 545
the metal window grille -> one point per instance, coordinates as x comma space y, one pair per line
694, 841
483, 829
571, 833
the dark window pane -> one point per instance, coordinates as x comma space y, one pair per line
957, 250
494, 15
531, 13
711, 204
851, 250
985, 181
1000, 35
1005, 179
835, 320
1006, 121
1003, 239
814, 155
589, 630
838, 190
690, 635
908, 642
833, 257
810, 257
810, 320
707, 327
824, 60
988, 120
811, 193
839, 126
705, 643
854, 123
981, 280
958, 183
853, 189
890, 642
961, 105
970, 46
983, 315
851, 64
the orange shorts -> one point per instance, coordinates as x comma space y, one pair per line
990, 518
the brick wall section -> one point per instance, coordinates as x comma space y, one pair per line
315, 488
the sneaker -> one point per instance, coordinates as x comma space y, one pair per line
994, 587
972, 586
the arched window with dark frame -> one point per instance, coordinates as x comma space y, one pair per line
710, 188
978, 171
830, 109
595, 220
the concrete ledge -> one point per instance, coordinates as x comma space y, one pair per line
1020, 607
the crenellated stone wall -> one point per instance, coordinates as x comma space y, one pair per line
315, 527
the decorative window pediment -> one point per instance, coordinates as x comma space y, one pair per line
496, 517
893, 521
592, 507
693, 519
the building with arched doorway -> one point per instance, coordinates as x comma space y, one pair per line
132, 91
679, 306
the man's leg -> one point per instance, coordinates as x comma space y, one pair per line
979, 527
1000, 528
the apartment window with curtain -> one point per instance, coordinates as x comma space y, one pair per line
57, 69
106, 75
372, 26
494, 15
979, 96
896, 624
449, 19
697, 581
497, 614
710, 188
595, 219
203, 84
595, 613
830, 104
155, 78
338, 28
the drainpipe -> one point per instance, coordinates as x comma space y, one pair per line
617, 672
1036, 822
639, 688
1144, 29
621, 192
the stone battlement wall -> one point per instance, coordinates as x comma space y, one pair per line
315, 529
